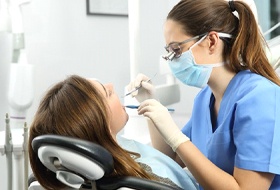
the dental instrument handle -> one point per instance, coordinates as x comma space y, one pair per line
136, 107
138, 87
25, 152
9, 149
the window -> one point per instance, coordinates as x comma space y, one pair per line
269, 16
275, 16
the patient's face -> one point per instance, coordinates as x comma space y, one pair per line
119, 116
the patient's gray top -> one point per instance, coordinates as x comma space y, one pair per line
160, 164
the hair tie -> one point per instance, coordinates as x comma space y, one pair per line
231, 5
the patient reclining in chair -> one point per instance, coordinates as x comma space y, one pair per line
88, 110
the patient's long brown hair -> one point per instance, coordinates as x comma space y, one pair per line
245, 50
74, 108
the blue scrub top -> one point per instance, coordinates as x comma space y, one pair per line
160, 164
247, 132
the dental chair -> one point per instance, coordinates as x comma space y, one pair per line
81, 164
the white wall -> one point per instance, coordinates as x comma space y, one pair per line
61, 40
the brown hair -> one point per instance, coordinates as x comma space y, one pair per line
246, 50
74, 108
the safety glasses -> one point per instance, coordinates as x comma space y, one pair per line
174, 49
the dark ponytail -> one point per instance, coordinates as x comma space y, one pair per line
248, 50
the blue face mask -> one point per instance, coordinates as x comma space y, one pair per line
189, 72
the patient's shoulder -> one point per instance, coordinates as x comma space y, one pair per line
164, 180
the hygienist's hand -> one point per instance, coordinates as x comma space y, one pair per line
163, 122
147, 91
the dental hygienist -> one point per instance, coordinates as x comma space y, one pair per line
232, 139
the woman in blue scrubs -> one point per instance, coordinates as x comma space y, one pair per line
232, 140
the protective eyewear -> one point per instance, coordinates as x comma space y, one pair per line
174, 49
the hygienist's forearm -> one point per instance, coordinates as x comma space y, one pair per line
209, 176
205, 172
159, 143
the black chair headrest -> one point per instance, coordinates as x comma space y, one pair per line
92, 151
